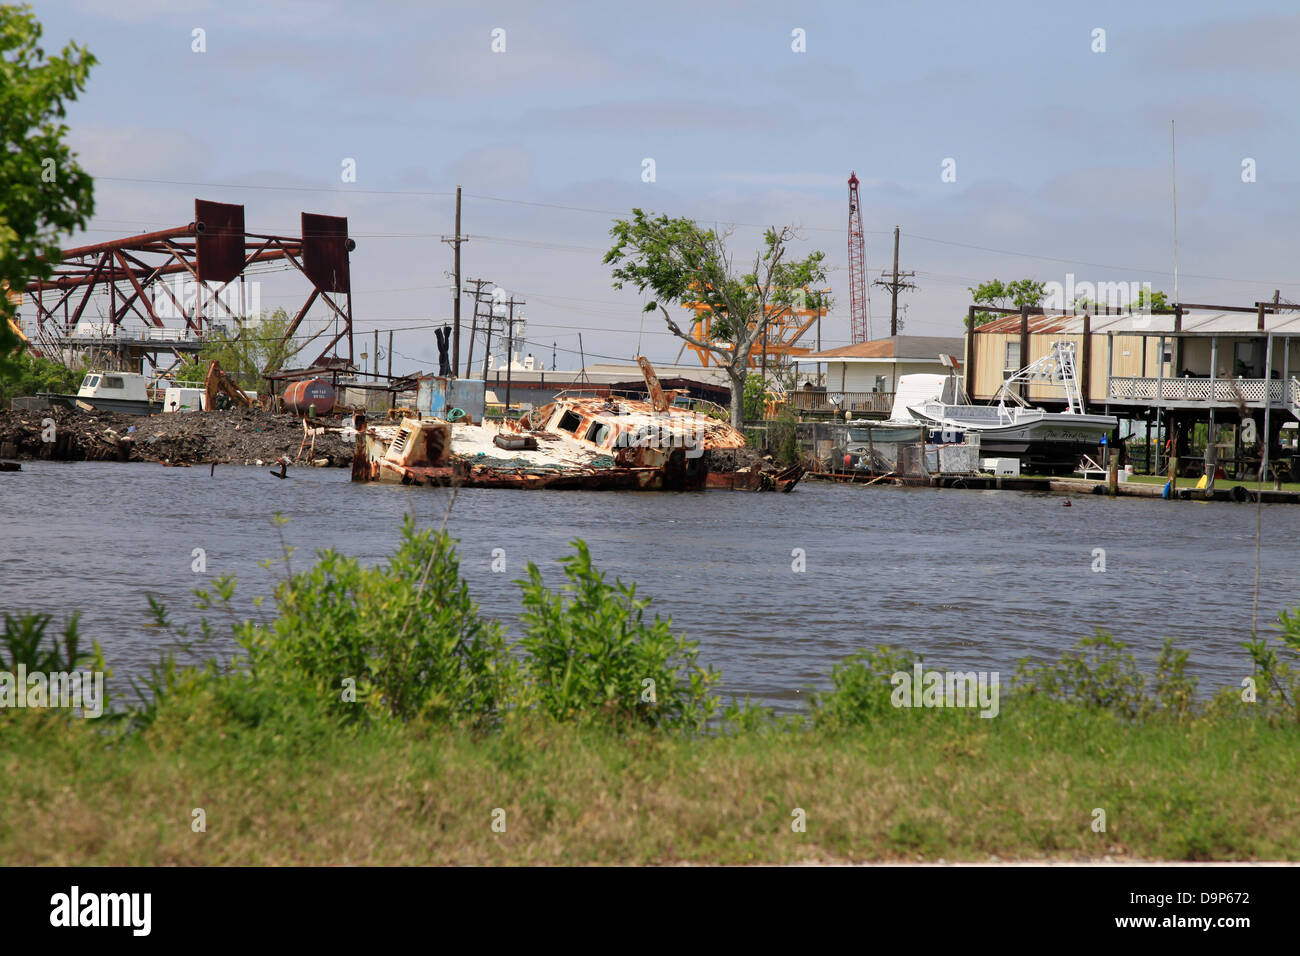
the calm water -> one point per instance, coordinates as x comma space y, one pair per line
974, 580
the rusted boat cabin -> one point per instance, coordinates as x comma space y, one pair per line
594, 443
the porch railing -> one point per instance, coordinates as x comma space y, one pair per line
1222, 391
877, 403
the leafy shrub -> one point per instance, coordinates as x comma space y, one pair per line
24, 643
1096, 673
592, 656
754, 398
785, 438
860, 689
407, 633
1175, 691
31, 374
1275, 683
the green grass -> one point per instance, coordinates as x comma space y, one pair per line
378, 718
921, 785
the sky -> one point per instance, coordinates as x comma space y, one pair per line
1059, 137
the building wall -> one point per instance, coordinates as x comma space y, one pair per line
1121, 356
861, 376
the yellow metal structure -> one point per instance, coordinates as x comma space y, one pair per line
785, 327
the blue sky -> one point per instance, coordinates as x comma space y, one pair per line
1062, 154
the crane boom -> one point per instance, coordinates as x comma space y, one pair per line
859, 315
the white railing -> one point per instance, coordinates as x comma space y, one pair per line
1223, 391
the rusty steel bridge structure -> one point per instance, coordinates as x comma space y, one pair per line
214, 251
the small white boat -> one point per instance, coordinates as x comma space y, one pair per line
1046, 440
106, 391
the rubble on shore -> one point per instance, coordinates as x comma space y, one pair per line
240, 436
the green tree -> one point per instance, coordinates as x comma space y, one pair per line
1159, 301
43, 192
755, 399
1006, 295
678, 262
30, 374
254, 350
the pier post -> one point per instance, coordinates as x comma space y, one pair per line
1171, 429
1211, 456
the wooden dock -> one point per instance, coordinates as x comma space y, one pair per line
1076, 487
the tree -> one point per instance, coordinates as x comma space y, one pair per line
677, 262
43, 192
1159, 301
255, 350
1006, 295
30, 375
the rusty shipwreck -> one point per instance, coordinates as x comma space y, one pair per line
605, 442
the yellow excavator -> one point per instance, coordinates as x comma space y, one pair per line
221, 390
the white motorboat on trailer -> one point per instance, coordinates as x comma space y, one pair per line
1044, 440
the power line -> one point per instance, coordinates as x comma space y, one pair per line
623, 213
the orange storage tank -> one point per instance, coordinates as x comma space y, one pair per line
301, 396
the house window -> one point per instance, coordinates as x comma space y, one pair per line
1013, 356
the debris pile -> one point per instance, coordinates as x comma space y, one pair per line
246, 436
736, 459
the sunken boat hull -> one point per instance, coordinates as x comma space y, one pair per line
594, 444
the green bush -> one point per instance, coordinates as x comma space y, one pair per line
31, 374
1098, 672
592, 657
407, 633
24, 643
860, 689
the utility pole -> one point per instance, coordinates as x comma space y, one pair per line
491, 325
478, 297
487, 347
897, 283
390, 355
510, 347
375, 368
455, 242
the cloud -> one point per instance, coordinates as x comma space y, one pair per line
645, 115
1122, 192
1262, 45
493, 169
1210, 115
138, 152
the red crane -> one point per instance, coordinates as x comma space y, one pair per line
859, 315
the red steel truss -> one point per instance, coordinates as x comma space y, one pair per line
214, 250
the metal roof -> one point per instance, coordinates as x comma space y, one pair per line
918, 347
1194, 323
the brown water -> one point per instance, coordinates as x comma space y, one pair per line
971, 579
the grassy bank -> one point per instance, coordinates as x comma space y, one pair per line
376, 717
921, 788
